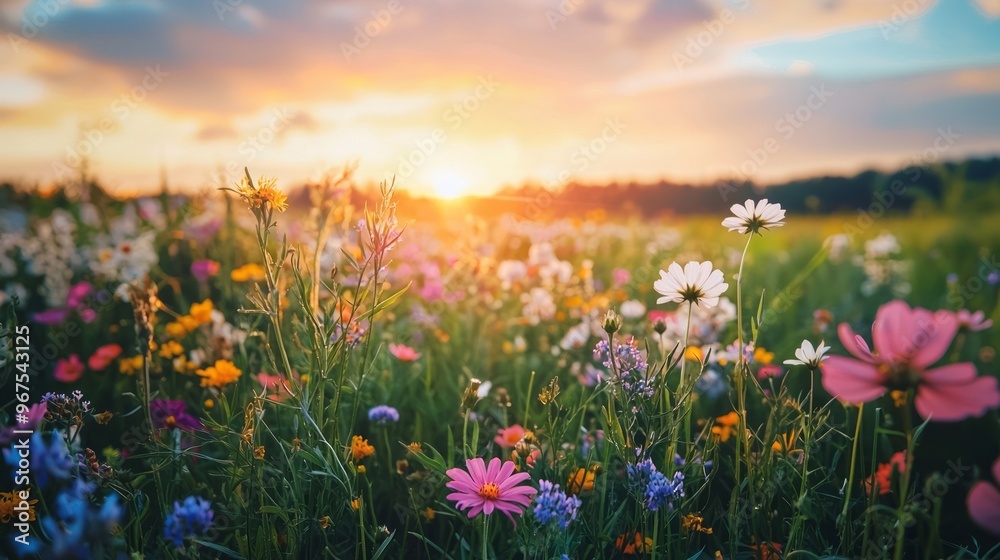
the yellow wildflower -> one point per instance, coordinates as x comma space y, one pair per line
762, 356
8, 500
324, 522
171, 349
265, 193
176, 330
694, 354
222, 373
129, 366
202, 312
692, 523
582, 480
360, 448
247, 273
428, 514
356, 504
189, 323
723, 428
414, 447
259, 453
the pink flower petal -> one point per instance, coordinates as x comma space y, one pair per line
949, 402
493, 470
892, 331
855, 344
852, 381
984, 506
932, 336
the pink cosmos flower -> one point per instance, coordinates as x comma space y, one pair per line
984, 502
103, 356
508, 437
69, 370
907, 342
77, 293
769, 370
657, 315
482, 489
276, 386
404, 353
973, 321
204, 269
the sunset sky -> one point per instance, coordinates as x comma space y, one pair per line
467, 96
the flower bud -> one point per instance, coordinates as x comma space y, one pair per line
660, 326
612, 322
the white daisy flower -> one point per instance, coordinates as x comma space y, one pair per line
752, 217
697, 283
809, 356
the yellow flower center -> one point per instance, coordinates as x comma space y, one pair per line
490, 491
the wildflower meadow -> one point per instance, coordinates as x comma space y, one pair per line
224, 376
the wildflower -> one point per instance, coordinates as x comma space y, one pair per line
8, 500
402, 466
471, 395
129, 366
78, 293
201, 312
356, 504
275, 386
692, 523
104, 417
612, 322
725, 426
898, 398
656, 490
404, 353
324, 522
751, 217
69, 369
768, 371
360, 448
581, 481
767, 551
983, 502
175, 329
48, 460
362, 469
632, 309
204, 269
414, 448
248, 273
222, 373
427, 513
762, 356
697, 283
508, 437
552, 504
259, 453
627, 360
168, 414
171, 349
973, 321
265, 194
633, 543
806, 355
190, 518
482, 489
383, 415
103, 356
908, 341
882, 479
549, 393
75, 527
694, 354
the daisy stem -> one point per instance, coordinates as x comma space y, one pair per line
738, 374
850, 475
683, 389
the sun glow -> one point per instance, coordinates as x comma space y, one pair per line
449, 185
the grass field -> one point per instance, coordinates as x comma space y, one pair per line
223, 378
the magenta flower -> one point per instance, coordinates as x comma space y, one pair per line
907, 342
984, 502
51, 317
78, 293
404, 353
482, 489
204, 269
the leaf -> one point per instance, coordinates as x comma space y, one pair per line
385, 544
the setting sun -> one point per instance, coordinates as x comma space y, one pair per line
450, 185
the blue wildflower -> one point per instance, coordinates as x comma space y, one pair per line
48, 460
76, 529
383, 414
627, 361
553, 505
191, 518
653, 486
